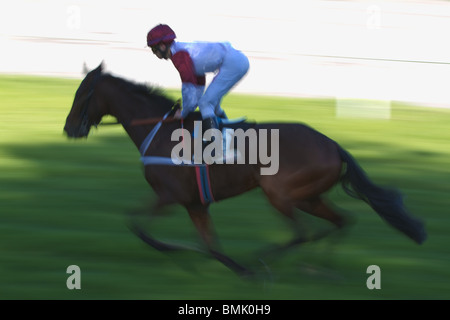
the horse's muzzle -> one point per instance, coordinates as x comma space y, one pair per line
76, 132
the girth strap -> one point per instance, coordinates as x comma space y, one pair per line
204, 184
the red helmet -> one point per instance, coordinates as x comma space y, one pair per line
160, 34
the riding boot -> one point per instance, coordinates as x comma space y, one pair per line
209, 123
223, 115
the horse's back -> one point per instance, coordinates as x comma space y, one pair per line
309, 164
299, 144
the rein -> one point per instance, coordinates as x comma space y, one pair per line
141, 122
149, 121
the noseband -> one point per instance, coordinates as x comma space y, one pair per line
84, 111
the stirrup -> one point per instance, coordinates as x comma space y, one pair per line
224, 122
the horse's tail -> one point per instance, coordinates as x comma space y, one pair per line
386, 202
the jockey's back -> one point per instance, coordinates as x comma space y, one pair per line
206, 56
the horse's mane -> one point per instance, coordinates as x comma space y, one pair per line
153, 94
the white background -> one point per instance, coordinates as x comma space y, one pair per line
359, 49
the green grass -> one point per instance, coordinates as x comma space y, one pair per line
64, 202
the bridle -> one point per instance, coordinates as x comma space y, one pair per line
84, 126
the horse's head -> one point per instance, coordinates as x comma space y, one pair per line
85, 110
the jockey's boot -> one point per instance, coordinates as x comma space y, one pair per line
223, 115
209, 123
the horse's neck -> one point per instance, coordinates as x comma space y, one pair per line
126, 107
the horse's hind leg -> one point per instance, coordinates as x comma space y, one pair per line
202, 221
287, 209
302, 190
305, 188
316, 207
319, 208
300, 231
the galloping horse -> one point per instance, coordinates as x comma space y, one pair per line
309, 164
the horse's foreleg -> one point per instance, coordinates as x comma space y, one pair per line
148, 239
159, 245
202, 221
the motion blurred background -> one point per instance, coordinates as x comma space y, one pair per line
369, 74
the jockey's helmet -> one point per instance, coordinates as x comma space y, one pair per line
162, 33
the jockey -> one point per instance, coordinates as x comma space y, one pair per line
193, 60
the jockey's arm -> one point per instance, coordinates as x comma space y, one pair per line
191, 94
193, 86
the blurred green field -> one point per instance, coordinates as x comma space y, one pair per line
64, 202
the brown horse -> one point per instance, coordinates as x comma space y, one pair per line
310, 164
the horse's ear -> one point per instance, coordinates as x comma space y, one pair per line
98, 69
101, 67
85, 68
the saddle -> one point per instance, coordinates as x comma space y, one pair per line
202, 170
